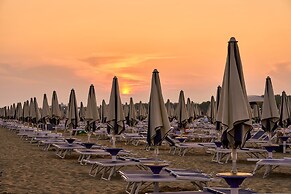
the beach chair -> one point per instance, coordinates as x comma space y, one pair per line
134, 138
85, 155
139, 180
209, 190
107, 167
220, 153
272, 164
182, 148
62, 149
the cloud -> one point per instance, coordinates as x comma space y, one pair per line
102, 60
281, 76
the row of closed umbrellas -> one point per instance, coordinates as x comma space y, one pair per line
233, 111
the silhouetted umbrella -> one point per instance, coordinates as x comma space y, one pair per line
141, 111
32, 113
131, 114
73, 116
115, 119
234, 109
82, 112
170, 110
211, 112
26, 111
19, 111
270, 113
284, 112
158, 121
256, 112
197, 111
190, 110
92, 114
125, 110
55, 109
13, 111
181, 113
37, 111
218, 91
45, 113
104, 112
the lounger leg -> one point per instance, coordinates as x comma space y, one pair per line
93, 167
138, 187
257, 167
227, 158
111, 173
156, 187
184, 152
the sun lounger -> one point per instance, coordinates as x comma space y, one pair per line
86, 154
107, 167
138, 179
134, 138
272, 164
48, 142
182, 148
209, 190
220, 153
64, 148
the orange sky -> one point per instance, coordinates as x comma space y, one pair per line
58, 45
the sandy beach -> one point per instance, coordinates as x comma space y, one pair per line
26, 168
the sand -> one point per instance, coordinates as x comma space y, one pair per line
26, 168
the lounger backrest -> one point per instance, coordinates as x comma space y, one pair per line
170, 141
258, 134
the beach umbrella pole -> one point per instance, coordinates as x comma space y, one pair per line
234, 190
89, 136
234, 158
156, 152
270, 137
113, 140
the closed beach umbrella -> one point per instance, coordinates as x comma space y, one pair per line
45, 109
234, 109
256, 112
196, 111
37, 111
218, 91
284, 111
170, 110
19, 111
26, 111
104, 113
141, 111
181, 113
115, 119
32, 113
131, 114
270, 113
190, 110
73, 116
13, 111
211, 112
92, 114
55, 109
82, 112
126, 110
158, 121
